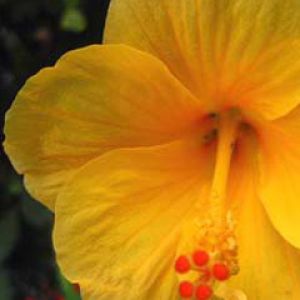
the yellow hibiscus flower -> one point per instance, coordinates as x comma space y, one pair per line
171, 154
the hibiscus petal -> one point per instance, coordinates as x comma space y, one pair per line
269, 265
280, 169
236, 52
95, 99
119, 220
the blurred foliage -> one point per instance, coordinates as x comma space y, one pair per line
73, 19
34, 34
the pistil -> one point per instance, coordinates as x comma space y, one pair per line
228, 125
215, 258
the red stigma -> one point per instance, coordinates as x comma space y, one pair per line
220, 271
200, 258
203, 292
186, 289
182, 264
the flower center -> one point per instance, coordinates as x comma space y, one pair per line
215, 258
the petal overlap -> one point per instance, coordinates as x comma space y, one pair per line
279, 172
233, 53
95, 99
269, 265
136, 203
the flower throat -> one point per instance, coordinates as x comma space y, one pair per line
215, 258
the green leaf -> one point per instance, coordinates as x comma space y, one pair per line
68, 289
73, 20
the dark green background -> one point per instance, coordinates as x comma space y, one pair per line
34, 34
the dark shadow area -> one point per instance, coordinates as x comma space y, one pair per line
34, 34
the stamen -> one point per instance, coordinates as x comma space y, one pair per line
217, 263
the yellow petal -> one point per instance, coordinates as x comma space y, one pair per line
95, 99
280, 174
119, 220
235, 52
269, 266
